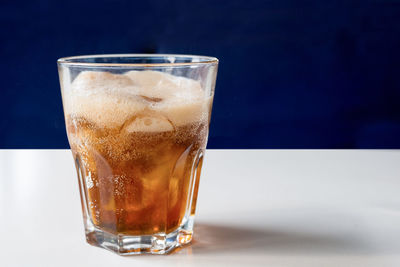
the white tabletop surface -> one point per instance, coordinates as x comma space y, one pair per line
255, 208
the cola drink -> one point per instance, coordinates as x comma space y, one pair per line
138, 140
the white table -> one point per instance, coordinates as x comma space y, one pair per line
256, 208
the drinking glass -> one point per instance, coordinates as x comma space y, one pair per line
137, 125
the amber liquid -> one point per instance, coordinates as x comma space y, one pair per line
138, 183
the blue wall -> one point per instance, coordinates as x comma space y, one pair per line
293, 74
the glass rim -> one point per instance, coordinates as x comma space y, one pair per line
202, 60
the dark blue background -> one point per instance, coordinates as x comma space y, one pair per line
293, 74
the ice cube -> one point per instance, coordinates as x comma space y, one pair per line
150, 79
149, 124
95, 81
155, 84
179, 99
103, 98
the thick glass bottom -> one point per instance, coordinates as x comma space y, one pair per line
160, 243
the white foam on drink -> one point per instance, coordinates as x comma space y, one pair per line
137, 101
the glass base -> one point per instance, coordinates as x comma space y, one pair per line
160, 243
